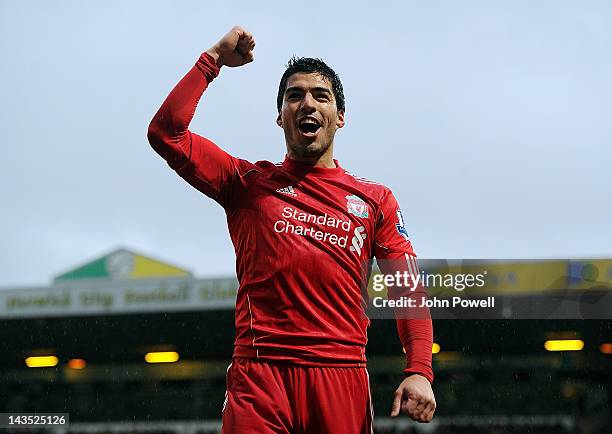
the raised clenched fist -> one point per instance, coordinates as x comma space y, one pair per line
233, 49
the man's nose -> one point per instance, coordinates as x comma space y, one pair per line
308, 103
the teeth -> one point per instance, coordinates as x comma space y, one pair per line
309, 121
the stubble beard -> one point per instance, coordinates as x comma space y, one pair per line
311, 150
314, 149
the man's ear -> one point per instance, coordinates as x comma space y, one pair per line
340, 120
279, 121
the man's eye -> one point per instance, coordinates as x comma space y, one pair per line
293, 96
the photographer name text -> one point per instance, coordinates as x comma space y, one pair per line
434, 302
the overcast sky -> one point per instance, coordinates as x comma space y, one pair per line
490, 120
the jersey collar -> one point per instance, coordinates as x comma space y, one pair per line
297, 167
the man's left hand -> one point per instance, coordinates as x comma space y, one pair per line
415, 398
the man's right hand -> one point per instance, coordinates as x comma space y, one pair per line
233, 49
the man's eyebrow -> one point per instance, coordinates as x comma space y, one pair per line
314, 89
293, 89
322, 89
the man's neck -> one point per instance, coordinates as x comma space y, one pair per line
325, 160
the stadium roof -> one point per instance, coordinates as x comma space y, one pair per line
123, 264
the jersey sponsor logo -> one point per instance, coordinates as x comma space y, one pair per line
356, 206
400, 226
357, 240
287, 190
293, 223
321, 227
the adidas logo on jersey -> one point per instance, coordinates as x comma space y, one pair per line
288, 191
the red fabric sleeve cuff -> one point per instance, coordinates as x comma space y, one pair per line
425, 371
208, 66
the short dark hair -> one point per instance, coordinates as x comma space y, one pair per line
309, 65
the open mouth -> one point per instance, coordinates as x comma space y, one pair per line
309, 126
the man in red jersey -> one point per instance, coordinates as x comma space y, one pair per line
304, 232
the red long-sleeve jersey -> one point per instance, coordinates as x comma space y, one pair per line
304, 238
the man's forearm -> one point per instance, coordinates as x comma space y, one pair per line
414, 324
415, 330
416, 336
168, 132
